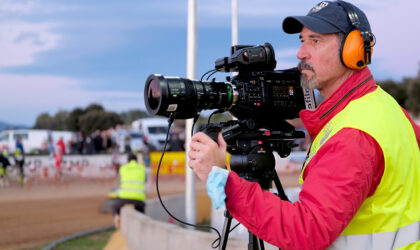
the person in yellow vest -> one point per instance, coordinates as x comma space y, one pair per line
4, 163
361, 179
132, 187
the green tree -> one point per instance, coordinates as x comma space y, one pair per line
44, 121
94, 107
98, 119
72, 122
396, 90
60, 120
87, 120
412, 103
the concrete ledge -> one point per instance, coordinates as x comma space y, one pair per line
174, 203
149, 232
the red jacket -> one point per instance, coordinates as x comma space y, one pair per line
60, 143
337, 181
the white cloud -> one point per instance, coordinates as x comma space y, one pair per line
10, 6
34, 94
288, 52
285, 64
286, 58
20, 42
248, 8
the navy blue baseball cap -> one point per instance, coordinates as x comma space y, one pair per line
327, 17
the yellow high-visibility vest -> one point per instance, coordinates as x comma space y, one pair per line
132, 181
390, 218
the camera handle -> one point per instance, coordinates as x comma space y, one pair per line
212, 131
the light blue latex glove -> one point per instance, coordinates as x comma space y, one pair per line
216, 182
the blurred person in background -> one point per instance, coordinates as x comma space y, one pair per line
127, 142
60, 143
50, 144
132, 187
72, 145
175, 143
60, 151
19, 158
115, 159
58, 159
81, 144
97, 142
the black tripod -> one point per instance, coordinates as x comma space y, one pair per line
254, 243
252, 159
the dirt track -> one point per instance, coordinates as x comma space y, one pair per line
42, 213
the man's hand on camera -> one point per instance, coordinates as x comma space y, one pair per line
205, 153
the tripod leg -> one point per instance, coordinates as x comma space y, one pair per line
255, 243
226, 229
279, 187
252, 244
261, 244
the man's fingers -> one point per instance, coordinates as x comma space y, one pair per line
202, 143
194, 146
192, 154
203, 138
221, 141
191, 163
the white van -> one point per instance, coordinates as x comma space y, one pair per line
136, 141
33, 140
153, 129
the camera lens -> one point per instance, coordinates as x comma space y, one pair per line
153, 93
184, 98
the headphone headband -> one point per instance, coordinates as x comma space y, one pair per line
354, 19
367, 37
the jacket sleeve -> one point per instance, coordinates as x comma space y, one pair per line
344, 172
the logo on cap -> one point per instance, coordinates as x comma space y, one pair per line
319, 7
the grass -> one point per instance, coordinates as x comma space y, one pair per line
90, 242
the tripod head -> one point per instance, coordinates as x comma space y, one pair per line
251, 147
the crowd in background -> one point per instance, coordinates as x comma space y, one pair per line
119, 139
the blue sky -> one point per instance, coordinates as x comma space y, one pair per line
58, 55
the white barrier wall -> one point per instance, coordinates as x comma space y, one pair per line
100, 166
149, 233
85, 166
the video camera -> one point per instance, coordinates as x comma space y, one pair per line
259, 96
258, 92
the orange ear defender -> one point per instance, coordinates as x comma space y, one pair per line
356, 49
355, 52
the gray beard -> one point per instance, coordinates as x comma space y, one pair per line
306, 83
310, 84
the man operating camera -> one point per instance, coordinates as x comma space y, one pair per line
360, 181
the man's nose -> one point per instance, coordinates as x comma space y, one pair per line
302, 53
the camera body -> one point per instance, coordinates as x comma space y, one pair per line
268, 96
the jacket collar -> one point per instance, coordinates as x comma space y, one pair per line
356, 86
